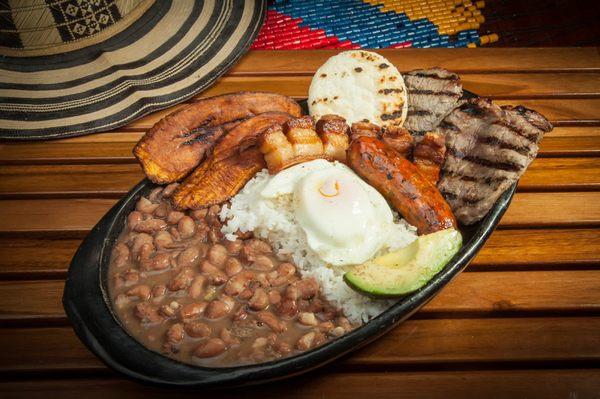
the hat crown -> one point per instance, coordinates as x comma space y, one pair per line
45, 27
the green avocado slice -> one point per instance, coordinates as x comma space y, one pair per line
408, 269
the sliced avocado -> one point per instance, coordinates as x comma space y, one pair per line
408, 269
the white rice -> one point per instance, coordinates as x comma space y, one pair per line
274, 221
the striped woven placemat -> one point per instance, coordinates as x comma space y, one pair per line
313, 24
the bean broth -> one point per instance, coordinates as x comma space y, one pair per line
183, 290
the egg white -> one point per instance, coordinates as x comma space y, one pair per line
345, 225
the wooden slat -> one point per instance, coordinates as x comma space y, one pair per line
527, 249
61, 152
541, 247
80, 215
414, 342
553, 209
86, 180
569, 146
116, 180
563, 141
531, 384
32, 257
574, 131
69, 215
459, 60
562, 174
490, 293
508, 86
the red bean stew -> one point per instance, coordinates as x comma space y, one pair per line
183, 290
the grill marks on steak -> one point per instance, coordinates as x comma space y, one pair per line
432, 94
488, 149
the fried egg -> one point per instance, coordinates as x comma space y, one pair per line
345, 219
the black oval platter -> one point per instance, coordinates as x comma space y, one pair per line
87, 305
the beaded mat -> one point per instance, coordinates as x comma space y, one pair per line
329, 24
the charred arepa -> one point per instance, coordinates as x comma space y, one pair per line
432, 94
175, 145
359, 86
234, 161
488, 149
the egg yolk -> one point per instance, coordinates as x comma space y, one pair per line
330, 188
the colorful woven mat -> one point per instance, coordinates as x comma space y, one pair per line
329, 24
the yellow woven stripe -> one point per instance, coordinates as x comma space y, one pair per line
450, 16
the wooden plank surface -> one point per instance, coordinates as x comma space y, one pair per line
489, 60
415, 342
531, 384
522, 321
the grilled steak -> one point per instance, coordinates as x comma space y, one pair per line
432, 94
488, 149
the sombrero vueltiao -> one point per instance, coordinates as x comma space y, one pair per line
73, 67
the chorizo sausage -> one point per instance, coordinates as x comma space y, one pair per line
401, 183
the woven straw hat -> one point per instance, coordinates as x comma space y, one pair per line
73, 67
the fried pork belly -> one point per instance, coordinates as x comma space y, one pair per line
301, 133
488, 150
219, 172
334, 132
276, 148
364, 129
398, 139
297, 141
176, 144
432, 94
429, 155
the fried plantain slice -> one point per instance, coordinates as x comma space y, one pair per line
176, 144
208, 173
248, 131
221, 180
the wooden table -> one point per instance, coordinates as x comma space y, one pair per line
522, 321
